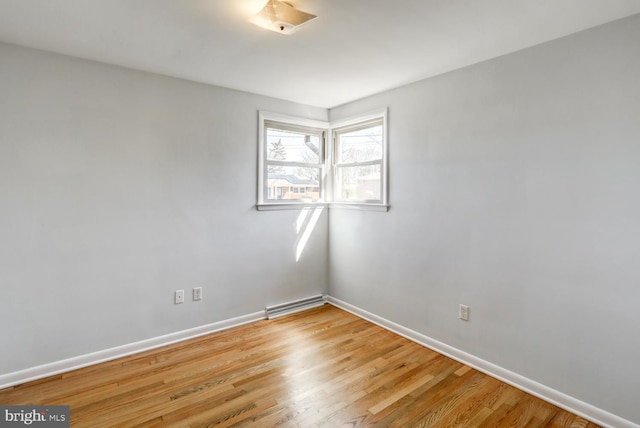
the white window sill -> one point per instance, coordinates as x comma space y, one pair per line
289, 205
362, 206
339, 205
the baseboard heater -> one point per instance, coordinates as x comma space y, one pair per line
295, 306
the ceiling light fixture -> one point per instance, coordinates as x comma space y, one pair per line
281, 17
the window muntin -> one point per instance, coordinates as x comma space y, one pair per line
359, 156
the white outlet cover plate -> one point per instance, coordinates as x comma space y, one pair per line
179, 296
464, 312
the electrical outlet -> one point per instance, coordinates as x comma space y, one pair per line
463, 312
197, 293
179, 296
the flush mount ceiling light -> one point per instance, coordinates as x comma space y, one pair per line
281, 17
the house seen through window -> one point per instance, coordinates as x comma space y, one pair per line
294, 162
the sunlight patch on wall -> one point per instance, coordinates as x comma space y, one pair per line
305, 224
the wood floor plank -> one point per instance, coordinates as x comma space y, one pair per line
457, 413
319, 368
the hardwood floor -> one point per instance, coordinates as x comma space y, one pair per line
323, 367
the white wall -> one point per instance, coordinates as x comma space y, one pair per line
514, 189
118, 187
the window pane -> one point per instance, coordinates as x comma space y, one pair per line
359, 183
360, 145
291, 146
293, 183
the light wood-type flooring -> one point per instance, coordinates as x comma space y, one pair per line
320, 368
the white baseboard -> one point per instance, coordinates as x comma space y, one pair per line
69, 364
564, 401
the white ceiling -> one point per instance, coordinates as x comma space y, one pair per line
353, 49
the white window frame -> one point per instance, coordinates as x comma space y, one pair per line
350, 124
293, 122
327, 162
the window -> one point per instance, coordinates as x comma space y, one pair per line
297, 167
358, 166
292, 165
299, 190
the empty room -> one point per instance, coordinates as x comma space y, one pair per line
320, 213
